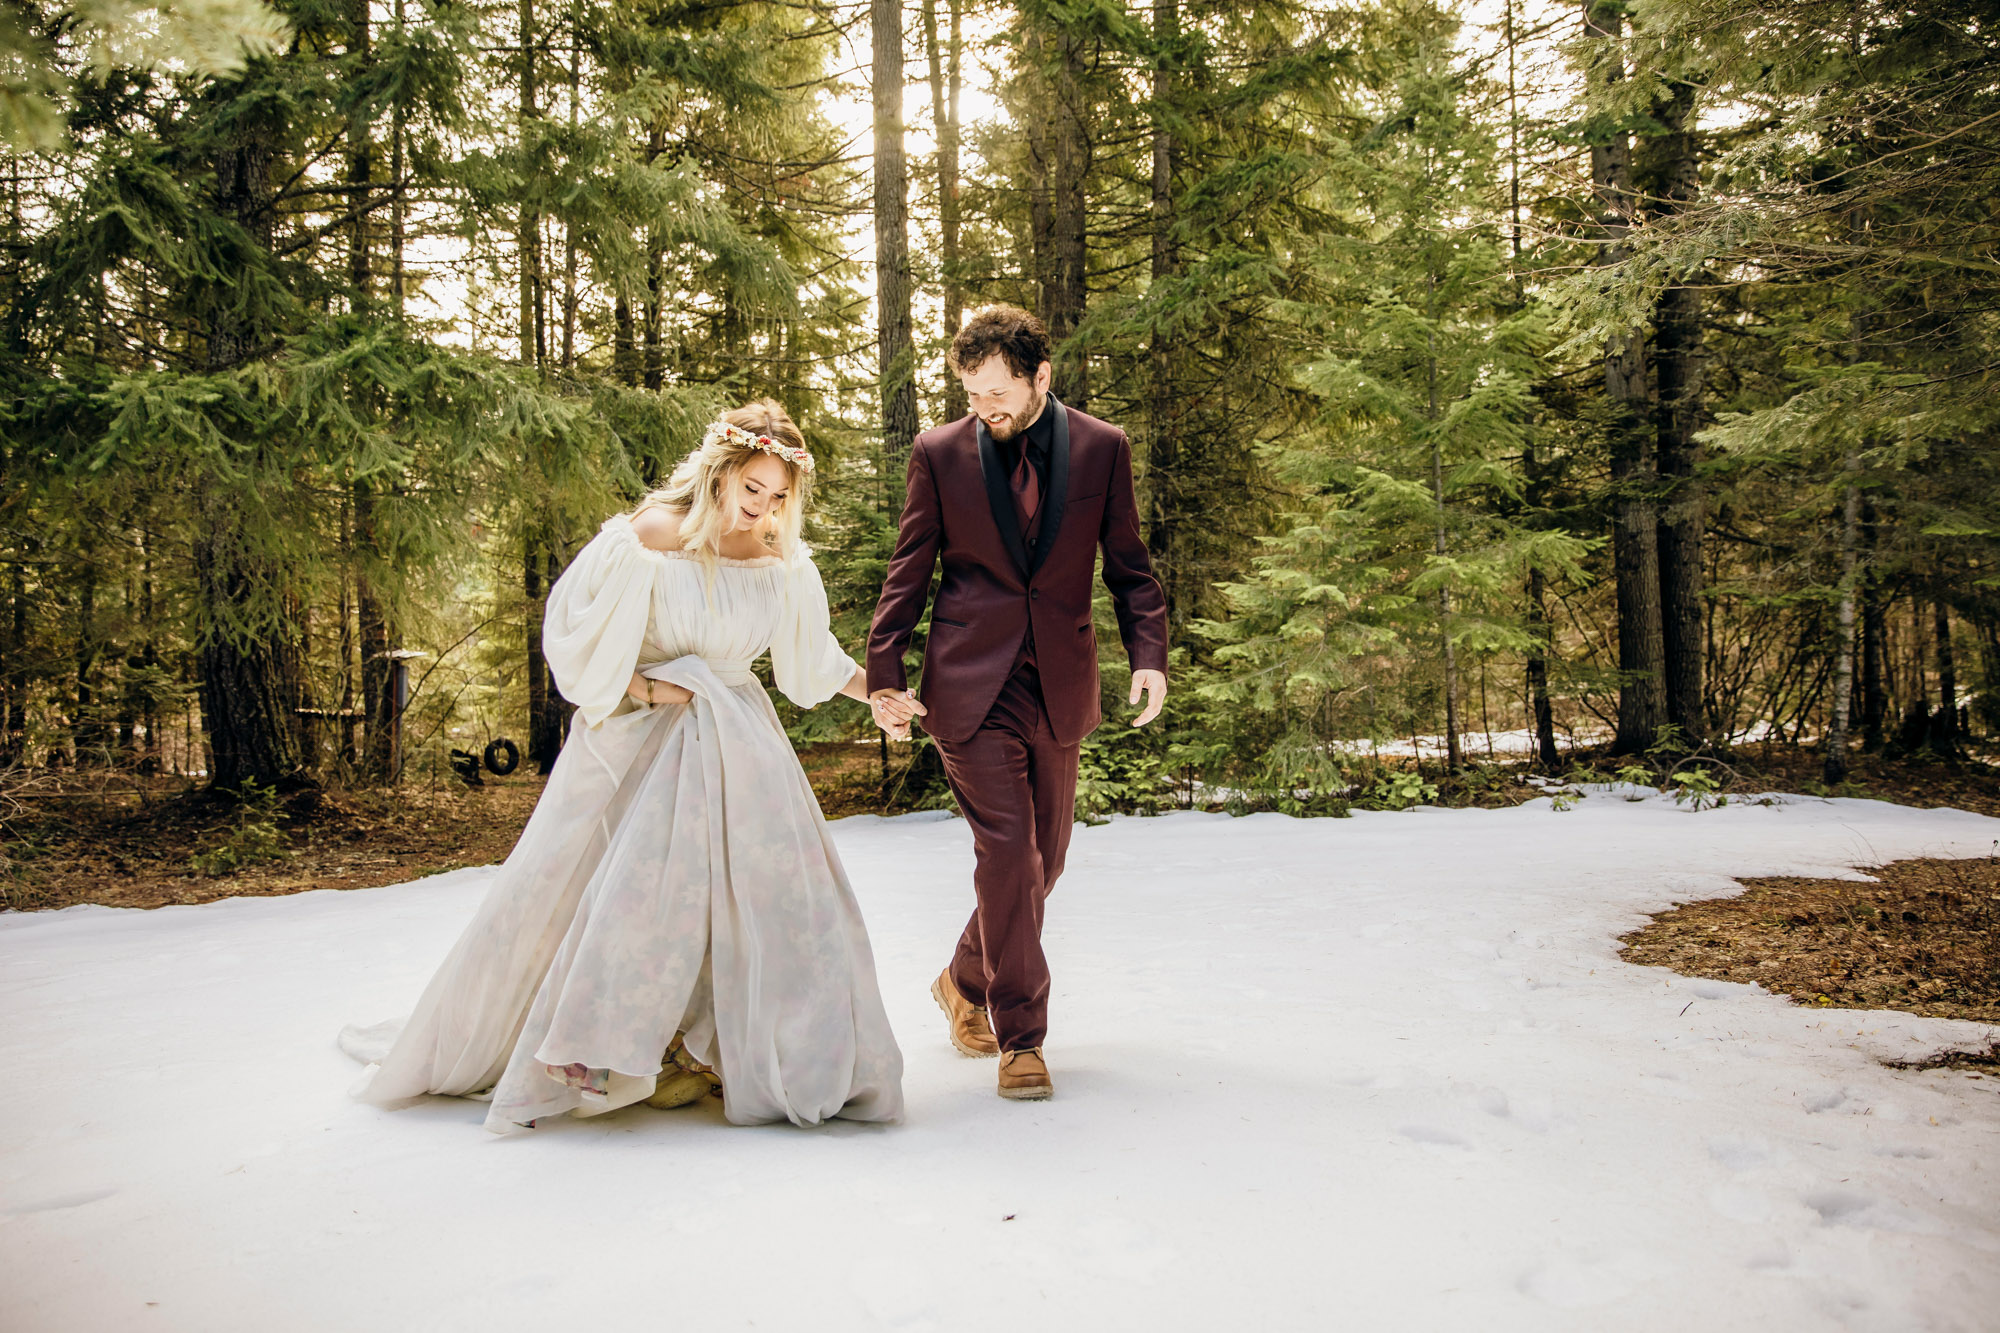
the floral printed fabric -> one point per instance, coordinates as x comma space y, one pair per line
676, 875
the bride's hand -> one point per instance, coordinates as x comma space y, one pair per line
649, 691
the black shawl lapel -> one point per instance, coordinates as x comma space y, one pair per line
1052, 507
999, 496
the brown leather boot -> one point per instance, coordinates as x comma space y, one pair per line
1024, 1076
971, 1033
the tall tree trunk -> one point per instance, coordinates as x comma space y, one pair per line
399, 205
87, 732
1537, 664
624, 341
895, 349
349, 648
1674, 181
1543, 634
1634, 472
1040, 115
360, 168
569, 234
377, 634
1164, 485
528, 235
149, 653
1453, 755
945, 83
1874, 638
1834, 765
376, 640
249, 679
1069, 220
14, 720
654, 330
543, 740
542, 746
1944, 723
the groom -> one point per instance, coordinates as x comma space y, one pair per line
1016, 499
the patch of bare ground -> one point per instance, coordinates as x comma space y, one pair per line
1923, 936
125, 840
140, 842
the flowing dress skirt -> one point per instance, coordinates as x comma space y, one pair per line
677, 875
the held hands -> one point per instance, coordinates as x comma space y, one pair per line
649, 691
1154, 683
893, 710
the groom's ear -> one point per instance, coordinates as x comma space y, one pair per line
1043, 374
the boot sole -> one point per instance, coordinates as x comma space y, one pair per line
1029, 1094
951, 1028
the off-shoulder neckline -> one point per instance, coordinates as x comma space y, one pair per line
622, 524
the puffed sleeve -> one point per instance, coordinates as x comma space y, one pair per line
597, 617
806, 660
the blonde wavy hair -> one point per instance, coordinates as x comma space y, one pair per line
697, 485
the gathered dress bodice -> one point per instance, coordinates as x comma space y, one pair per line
622, 602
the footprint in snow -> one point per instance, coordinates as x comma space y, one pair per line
1572, 1281
1904, 1150
1432, 1134
1851, 1208
1742, 1154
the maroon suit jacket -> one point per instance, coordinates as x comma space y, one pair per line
959, 508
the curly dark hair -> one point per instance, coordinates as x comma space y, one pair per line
1003, 330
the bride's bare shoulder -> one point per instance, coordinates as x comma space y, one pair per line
658, 527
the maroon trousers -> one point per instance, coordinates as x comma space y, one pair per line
1016, 785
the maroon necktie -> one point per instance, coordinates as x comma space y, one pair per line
1027, 490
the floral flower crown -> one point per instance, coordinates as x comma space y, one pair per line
723, 430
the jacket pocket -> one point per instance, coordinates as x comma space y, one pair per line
952, 624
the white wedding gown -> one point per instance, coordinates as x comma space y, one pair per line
676, 874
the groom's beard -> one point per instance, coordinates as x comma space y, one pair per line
1014, 425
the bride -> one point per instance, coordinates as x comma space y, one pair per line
675, 910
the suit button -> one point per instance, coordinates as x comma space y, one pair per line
1034, 594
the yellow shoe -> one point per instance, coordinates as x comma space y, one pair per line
683, 1080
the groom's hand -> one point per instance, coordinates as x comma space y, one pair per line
893, 710
1154, 683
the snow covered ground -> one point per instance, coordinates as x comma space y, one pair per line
1380, 1073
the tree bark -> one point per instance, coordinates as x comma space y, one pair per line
528, 238
1834, 765
1164, 484
1944, 723
569, 297
543, 746
1874, 639
1454, 757
399, 208
895, 348
1039, 115
945, 74
1634, 472
654, 376
87, 731
1069, 221
377, 634
1674, 181
14, 681
249, 678
543, 741
377, 638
